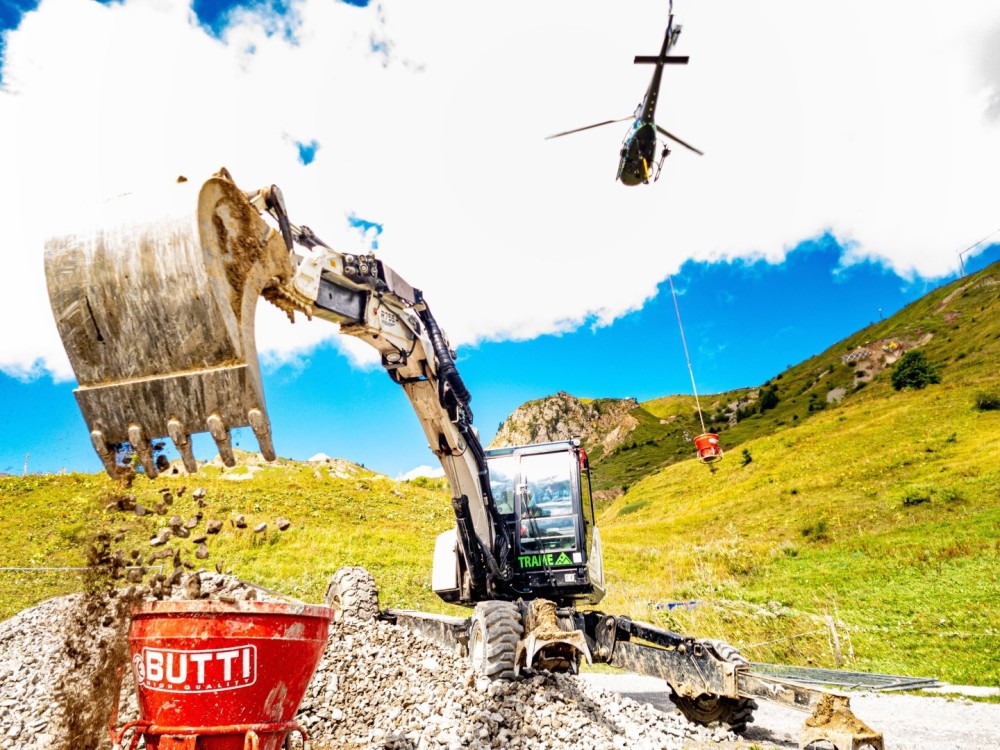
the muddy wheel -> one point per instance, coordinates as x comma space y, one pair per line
493, 638
352, 594
709, 709
713, 709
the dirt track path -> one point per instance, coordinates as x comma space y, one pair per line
907, 722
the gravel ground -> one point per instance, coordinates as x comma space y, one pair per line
907, 722
379, 686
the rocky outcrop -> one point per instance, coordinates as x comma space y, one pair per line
606, 423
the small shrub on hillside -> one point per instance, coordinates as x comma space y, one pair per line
950, 495
987, 401
434, 483
916, 496
747, 458
769, 398
633, 507
818, 531
914, 371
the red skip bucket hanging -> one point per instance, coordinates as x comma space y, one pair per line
708, 447
212, 675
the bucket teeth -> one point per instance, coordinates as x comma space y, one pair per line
104, 451
220, 434
262, 429
143, 449
182, 441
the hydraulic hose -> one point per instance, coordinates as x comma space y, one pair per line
448, 374
447, 371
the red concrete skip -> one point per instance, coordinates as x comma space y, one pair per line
202, 667
708, 447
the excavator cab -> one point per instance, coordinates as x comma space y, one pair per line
557, 544
542, 496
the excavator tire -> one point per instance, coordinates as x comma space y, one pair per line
352, 595
716, 709
493, 637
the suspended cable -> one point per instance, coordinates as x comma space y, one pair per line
970, 247
694, 387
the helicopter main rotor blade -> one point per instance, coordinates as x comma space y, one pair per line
588, 127
673, 137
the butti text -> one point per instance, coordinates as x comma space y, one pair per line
197, 671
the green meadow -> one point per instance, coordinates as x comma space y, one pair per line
850, 524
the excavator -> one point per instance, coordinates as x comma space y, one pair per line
154, 297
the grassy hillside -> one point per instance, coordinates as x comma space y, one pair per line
366, 519
881, 509
883, 514
957, 326
877, 508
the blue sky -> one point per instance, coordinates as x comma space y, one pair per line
744, 322
832, 186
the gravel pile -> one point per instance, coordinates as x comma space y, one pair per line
377, 686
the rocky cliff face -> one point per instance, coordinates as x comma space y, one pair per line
605, 423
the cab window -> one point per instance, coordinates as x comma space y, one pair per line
547, 518
503, 475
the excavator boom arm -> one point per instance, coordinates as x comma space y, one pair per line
155, 303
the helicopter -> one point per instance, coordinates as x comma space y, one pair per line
638, 151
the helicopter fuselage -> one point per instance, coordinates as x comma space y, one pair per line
639, 146
638, 164
638, 153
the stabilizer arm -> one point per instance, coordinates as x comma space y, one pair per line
710, 679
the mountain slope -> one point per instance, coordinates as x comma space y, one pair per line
957, 326
880, 509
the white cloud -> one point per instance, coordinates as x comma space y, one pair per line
430, 472
874, 121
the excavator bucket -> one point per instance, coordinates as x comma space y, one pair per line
546, 645
155, 304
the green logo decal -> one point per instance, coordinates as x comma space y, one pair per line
548, 560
